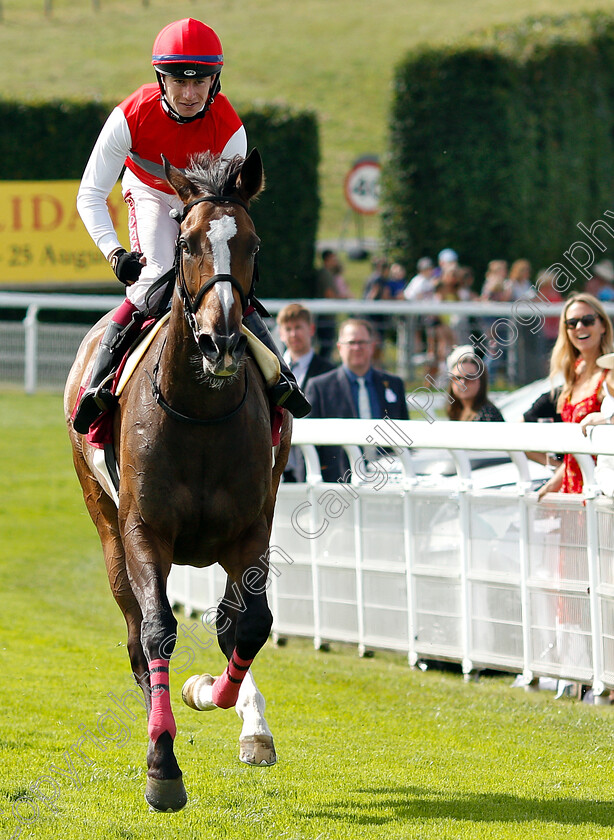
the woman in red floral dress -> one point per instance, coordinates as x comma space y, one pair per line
585, 333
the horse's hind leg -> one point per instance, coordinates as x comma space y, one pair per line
104, 515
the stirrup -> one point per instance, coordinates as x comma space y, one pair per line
289, 396
94, 402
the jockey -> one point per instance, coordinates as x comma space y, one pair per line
182, 114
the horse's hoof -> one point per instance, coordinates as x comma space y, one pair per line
257, 750
165, 794
197, 692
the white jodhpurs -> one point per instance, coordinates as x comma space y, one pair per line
152, 231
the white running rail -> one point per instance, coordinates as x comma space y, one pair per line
438, 567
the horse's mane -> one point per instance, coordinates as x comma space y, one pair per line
213, 174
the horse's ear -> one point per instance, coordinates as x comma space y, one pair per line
182, 185
251, 177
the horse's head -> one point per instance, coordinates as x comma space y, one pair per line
217, 249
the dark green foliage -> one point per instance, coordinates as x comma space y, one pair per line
286, 214
47, 142
500, 145
52, 141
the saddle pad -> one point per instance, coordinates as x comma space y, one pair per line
266, 360
135, 357
103, 475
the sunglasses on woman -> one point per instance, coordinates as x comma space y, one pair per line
585, 320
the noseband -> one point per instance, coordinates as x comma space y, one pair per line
191, 305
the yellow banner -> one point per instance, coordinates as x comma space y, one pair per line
43, 238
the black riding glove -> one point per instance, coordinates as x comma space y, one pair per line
127, 266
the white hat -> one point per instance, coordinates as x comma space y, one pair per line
447, 255
606, 361
465, 353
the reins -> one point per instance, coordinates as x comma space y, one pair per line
185, 418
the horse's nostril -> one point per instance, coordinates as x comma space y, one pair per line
240, 345
217, 349
207, 346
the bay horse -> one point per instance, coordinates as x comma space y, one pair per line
198, 477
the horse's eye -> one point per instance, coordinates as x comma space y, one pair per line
184, 246
255, 251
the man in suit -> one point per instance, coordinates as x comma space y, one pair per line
356, 389
296, 331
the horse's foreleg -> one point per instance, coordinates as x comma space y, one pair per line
256, 740
243, 625
252, 627
197, 691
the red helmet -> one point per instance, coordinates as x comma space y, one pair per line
187, 48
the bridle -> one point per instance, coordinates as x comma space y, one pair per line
191, 306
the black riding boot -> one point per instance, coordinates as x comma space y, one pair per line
286, 392
97, 398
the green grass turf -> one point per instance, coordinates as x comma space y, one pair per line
367, 748
335, 57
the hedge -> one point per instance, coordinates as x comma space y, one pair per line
499, 146
52, 141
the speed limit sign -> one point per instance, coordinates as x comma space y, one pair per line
362, 185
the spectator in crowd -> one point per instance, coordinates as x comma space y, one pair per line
496, 288
550, 329
544, 410
377, 282
466, 279
326, 287
468, 391
605, 271
341, 287
465, 325
377, 288
446, 258
422, 288
496, 284
585, 333
606, 413
604, 471
447, 289
520, 280
356, 389
296, 331
422, 285
601, 284
397, 281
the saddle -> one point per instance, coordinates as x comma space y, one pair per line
100, 435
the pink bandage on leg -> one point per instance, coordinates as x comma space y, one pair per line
226, 688
161, 717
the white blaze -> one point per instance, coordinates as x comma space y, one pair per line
220, 233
